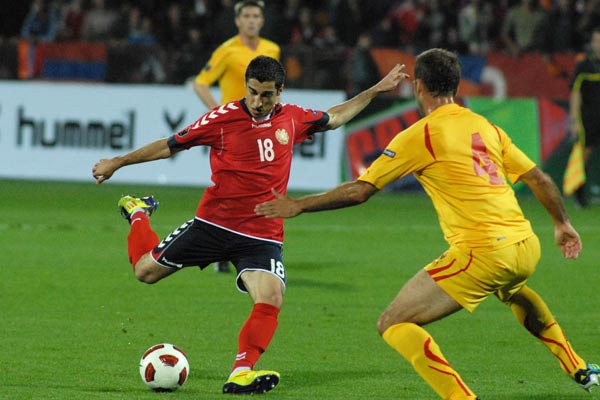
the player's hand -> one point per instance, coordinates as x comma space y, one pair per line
103, 170
281, 207
568, 240
392, 79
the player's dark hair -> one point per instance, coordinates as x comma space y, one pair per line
240, 5
439, 70
266, 69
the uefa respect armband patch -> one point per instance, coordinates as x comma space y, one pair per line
389, 153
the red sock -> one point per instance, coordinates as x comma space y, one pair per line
256, 334
141, 237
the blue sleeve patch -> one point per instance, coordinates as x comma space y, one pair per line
389, 153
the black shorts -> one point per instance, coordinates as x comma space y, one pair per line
590, 118
198, 243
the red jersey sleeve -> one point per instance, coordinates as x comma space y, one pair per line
308, 121
200, 133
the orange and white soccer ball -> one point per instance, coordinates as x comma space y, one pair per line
164, 367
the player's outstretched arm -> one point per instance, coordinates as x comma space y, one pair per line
106, 167
344, 112
345, 195
547, 193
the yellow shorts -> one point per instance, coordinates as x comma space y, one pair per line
470, 275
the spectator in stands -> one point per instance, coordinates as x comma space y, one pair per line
71, 27
347, 20
42, 22
474, 21
363, 68
524, 27
99, 22
279, 28
590, 19
313, 28
433, 26
561, 32
176, 38
183, 65
140, 28
304, 30
148, 56
400, 26
325, 35
222, 27
172, 30
200, 8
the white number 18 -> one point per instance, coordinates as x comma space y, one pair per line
277, 268
265, 148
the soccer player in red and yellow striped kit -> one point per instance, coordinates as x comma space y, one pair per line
463, 162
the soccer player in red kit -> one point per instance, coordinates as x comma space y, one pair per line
251, 144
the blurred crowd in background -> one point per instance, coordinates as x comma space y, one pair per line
186, 31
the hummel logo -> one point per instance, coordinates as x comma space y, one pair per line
224, 109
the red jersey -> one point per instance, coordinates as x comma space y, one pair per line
248, 158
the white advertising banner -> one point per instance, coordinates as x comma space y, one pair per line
57, 131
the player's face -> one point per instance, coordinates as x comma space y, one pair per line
261, 97
250, 21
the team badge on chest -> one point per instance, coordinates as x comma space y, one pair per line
282, 136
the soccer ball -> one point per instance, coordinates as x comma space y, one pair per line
164, 367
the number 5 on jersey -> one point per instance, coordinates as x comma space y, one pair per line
482, 164
265, 148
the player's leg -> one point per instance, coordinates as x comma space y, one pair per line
533, 314
591, 125
147, 270
142, 239
262, 275
266, 291
419, 302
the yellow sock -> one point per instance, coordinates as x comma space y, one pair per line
419, 348
555, 340
531, 312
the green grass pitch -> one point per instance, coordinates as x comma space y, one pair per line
74, 321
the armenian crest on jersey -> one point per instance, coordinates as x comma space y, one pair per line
282, 136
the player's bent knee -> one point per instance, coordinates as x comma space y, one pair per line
145, 276
147, 271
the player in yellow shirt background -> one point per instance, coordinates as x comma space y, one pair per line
228, 62
463, 162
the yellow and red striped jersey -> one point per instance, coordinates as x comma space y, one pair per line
463, 162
